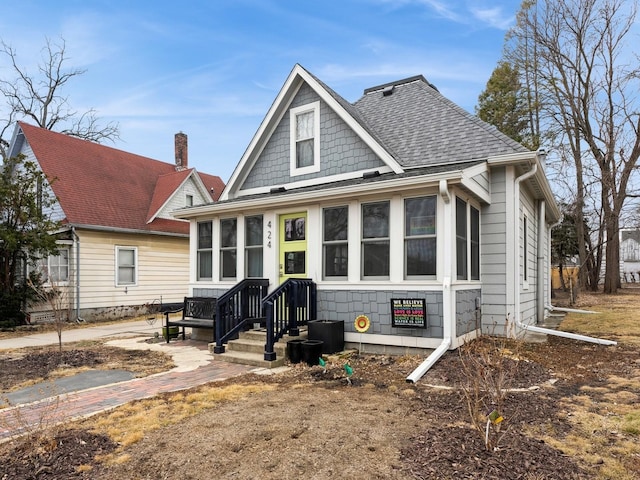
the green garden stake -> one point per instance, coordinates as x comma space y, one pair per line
349, 371
323, 364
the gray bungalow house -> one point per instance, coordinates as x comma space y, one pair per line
416, 223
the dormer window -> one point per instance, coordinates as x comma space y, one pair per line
305, 139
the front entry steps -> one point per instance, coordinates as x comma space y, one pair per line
248, 349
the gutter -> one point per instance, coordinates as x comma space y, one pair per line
516, 313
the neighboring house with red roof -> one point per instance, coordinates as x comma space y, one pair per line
120, 246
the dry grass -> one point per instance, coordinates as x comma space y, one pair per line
606, 419
128, 424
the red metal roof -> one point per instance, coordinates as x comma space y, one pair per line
102, 186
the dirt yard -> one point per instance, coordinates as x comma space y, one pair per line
563, 410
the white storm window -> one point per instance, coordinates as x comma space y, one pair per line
228, 247
126, 265
305, 139
467, 241
420, 255
375, 240
335, 241
253, 246
55, 268
205, 251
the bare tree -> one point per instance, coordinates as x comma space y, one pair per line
40, 98
588, 82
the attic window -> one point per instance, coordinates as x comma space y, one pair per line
305, 139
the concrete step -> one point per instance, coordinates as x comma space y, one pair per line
247, 358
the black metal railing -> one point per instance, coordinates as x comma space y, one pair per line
286, 308
238, 307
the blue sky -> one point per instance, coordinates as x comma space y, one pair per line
212, 69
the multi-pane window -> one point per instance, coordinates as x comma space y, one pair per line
305, 132
420, 236
467, 241
126, 265
228, 246
375, 240
205, 251
335, 224
253, 246
55, 268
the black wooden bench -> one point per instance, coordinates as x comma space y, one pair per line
197, 312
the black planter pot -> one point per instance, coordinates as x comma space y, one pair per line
294, 350
311, 351
330, 332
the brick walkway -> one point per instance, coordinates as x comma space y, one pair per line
74, 405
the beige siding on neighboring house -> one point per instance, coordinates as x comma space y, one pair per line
162, 269
179, 199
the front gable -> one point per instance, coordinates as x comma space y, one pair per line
341, 151
175, 191
345, 147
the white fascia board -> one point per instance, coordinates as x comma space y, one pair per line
315, 181
349, 191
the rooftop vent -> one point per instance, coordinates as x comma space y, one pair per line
388, 90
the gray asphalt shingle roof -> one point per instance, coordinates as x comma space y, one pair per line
421, 127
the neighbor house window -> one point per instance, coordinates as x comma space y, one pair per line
467, 241
335, 225
126, 265
55, 268
420, 236
228, 245
205, 251
305, 139
375, 240
189, 201
253, 246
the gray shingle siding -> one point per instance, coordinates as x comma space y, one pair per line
493, 245
341, 150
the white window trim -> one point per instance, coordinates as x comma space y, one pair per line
135, 265
62, 283
293, 113
525, 251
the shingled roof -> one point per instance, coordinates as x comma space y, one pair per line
103, 187
422, 127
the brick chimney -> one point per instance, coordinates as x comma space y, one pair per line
182, 151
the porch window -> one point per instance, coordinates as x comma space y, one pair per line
375, 240
305, 139
55, 268
205, 251
253, 246
420, 236
126, 265
228, 244
467, 241
335, 225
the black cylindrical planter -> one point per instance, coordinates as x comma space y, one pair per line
294, 350
331, 332
312, 351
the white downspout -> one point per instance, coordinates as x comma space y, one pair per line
76, 242
516, 313
447, 314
